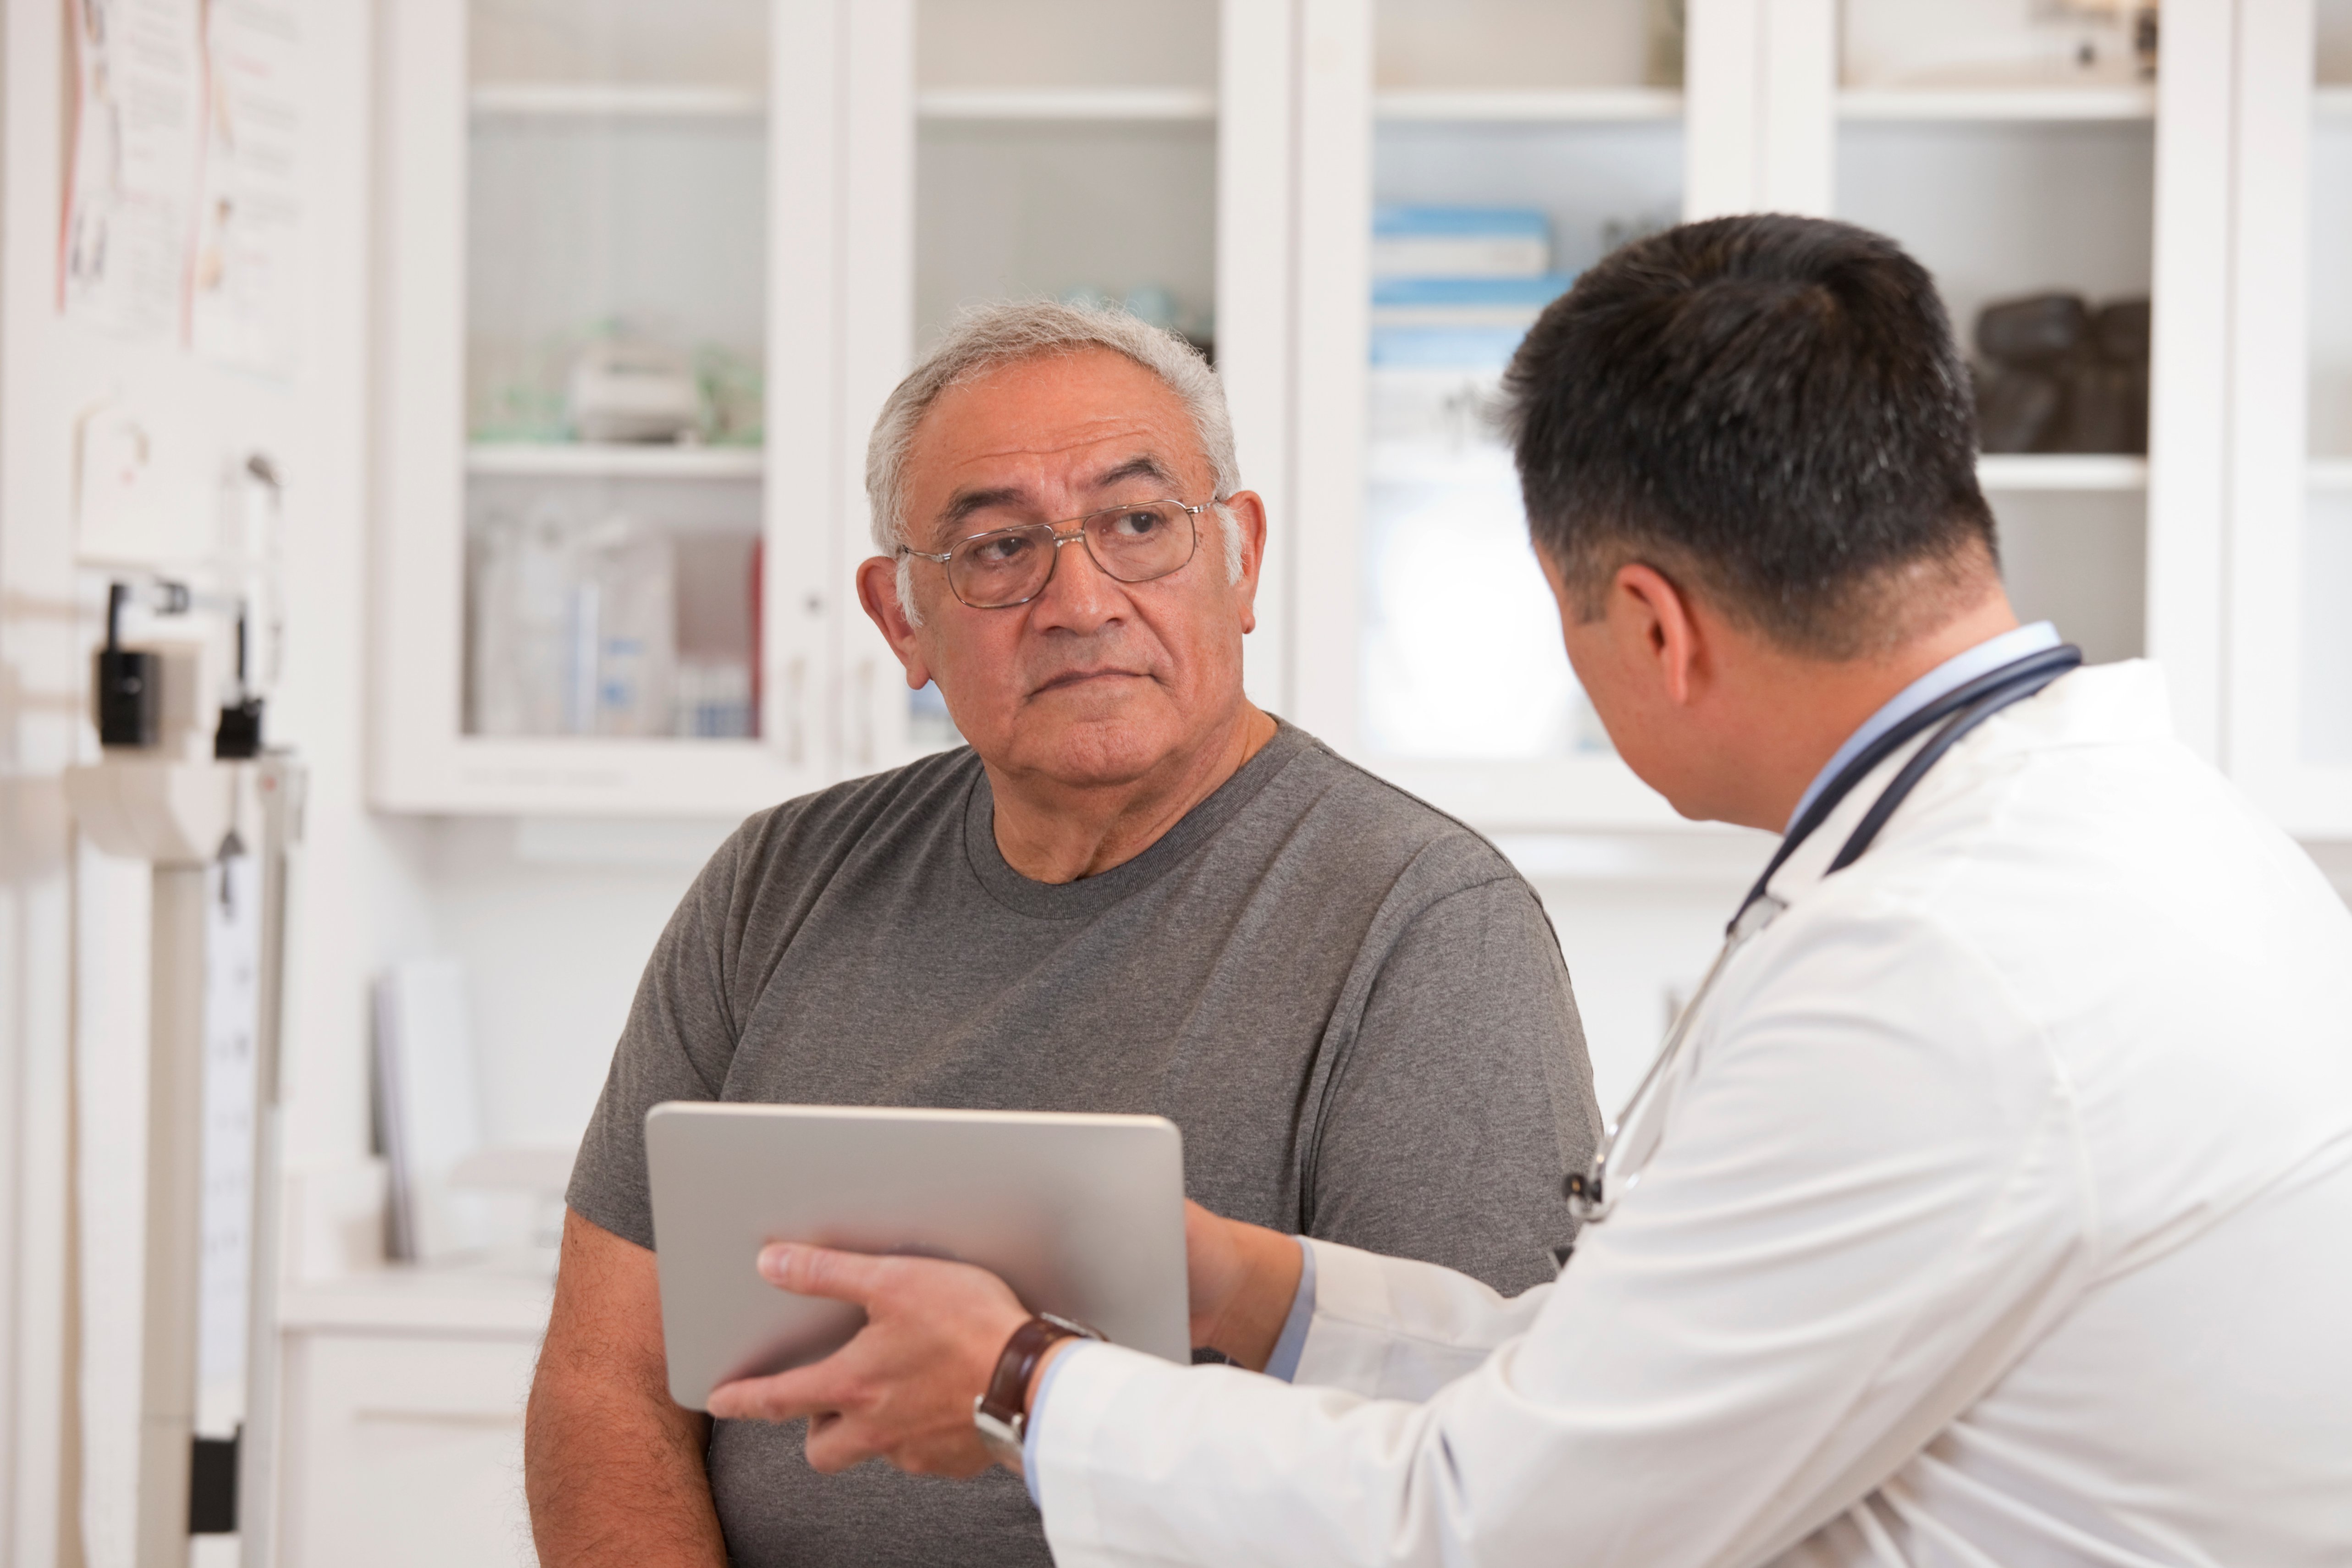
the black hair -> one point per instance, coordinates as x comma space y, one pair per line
1773, 405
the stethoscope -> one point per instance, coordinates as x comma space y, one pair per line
1627, 1143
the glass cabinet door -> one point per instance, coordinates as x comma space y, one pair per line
1503, 146
1512, 145
615, 289
2290, 738
593, 600
2012, 151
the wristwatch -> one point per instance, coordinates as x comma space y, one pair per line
1001, 1414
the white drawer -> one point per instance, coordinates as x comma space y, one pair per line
405, 1450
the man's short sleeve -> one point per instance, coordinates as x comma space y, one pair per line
678, 1044
1468, 1070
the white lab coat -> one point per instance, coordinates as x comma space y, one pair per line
2003, 1216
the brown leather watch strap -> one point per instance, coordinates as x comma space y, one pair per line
1007, 1398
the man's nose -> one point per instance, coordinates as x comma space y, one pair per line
1079, 597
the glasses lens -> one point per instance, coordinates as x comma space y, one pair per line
1136, 543
992, 569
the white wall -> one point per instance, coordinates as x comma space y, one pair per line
355, 904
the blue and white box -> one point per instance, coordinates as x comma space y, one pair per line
1460, 242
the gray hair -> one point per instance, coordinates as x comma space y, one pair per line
983, 338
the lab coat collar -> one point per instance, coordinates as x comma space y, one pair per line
2095, 705
1949, 676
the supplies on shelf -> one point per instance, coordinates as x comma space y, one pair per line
614, 383
575, 629
1460, 242
2055, 375
573, 632
1999, 43
1439, 346
624, 389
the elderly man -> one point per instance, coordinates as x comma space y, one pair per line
1135, 892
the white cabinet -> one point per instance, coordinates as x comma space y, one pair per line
799, 193
404, 1399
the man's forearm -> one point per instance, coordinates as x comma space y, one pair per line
615, 1480
613, 1469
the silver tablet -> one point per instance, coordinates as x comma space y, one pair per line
1082, 1216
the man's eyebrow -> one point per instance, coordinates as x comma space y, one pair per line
966, 502
1143, 466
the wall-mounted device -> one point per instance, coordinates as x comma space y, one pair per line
130, 682
157, 697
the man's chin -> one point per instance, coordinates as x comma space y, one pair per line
1096, 749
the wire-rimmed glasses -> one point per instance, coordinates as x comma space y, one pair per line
1131, 543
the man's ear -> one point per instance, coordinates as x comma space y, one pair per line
877, 593
1652, 621
1246, 512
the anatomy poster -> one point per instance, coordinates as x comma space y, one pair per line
244, 295
137, 78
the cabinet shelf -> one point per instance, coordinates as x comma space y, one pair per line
2331, 474
2013, 473
615, 100
593, 461
1568, 106
1998, 103
1057, 104
2333, 101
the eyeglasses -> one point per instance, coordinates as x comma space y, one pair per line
1131, 543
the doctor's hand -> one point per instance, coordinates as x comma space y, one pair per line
902, 1390
1242, 1278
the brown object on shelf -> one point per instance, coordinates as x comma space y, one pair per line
2014, 407
2040, 329
2058, 378
2101, 412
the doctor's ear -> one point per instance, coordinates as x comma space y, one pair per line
1654, 621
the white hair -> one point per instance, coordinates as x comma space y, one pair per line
983, 338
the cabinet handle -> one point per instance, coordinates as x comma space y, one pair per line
795, 729
439, 1418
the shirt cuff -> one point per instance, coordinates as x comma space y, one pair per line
1284, 1362
1037, 1417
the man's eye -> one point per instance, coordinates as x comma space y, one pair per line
998, 551
1142, 524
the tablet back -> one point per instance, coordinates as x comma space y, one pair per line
1082, 1216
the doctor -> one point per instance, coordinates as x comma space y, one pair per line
1995, 1206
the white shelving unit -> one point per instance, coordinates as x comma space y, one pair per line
1223, 157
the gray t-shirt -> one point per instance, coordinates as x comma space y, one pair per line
1351, 1005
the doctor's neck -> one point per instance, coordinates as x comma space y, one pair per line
1727, 721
